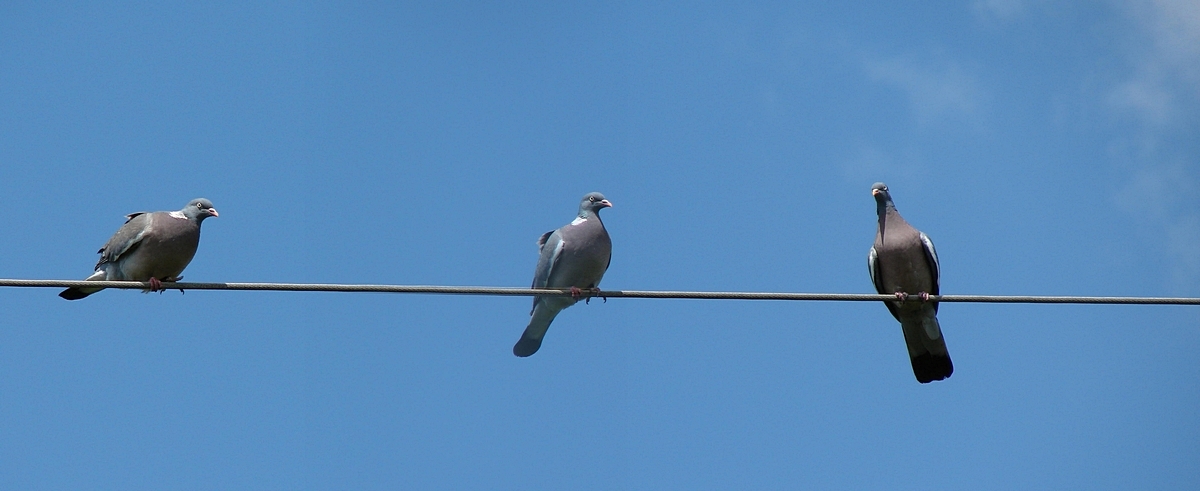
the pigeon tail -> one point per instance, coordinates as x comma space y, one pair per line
926, 347
929, 367
76, 293
531, 339
527, 346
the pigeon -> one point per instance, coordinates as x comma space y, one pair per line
903, 262
153, 247
574, 256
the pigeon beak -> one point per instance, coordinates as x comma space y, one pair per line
874, 192
213, 211
606, 203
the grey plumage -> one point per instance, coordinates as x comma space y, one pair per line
903, 262
574, 256
152, 247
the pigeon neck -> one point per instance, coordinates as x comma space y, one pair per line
883, 207
586, 216
887, 211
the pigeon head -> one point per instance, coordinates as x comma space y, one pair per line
199, 209
591, 204
883, 199
880, 191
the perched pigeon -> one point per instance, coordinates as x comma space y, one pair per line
152, 247
574, 256
903, 262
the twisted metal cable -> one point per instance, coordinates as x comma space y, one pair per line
505, 291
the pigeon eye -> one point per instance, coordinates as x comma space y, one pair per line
592, 199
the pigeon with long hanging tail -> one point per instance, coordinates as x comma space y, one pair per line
903, 262
574, 256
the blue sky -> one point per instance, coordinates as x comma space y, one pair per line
1046, 148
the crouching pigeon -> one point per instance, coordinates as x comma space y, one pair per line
153, 247
574, 256
903, 262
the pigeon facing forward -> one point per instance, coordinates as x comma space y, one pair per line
903, 262
153, 247
574, 256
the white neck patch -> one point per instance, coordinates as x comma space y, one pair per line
578, 220
177, 214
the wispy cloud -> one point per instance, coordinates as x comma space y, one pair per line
935, 92
1144, 96
1166, 61
1160, 97
1175, 25
1153, 195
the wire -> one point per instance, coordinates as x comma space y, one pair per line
486, 290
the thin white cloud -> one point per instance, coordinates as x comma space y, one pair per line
1175, 25
1166, 60
1161, 95
946, 92
1144, 96
1152, 193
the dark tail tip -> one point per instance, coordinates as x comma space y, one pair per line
74, 294
928, 367
526, 346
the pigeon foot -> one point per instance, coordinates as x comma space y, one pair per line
156, 285
176, 280
593, 292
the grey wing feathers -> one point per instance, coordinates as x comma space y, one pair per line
873, 268
934, 267
550, 245
542, 240
126, 239
931, 255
